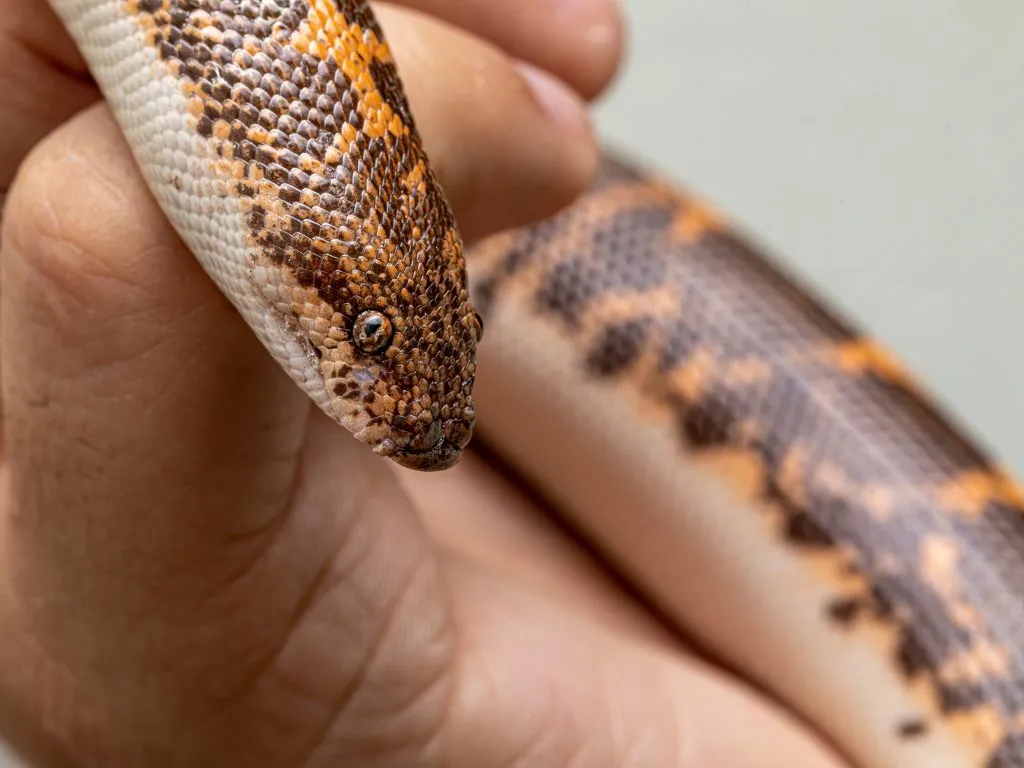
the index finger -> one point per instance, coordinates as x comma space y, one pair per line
43, 80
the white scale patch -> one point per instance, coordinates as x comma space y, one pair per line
179, 166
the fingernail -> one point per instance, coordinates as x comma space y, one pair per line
558, 100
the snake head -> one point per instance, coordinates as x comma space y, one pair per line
399, 359
378, 293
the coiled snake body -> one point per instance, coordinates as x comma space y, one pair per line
806, 511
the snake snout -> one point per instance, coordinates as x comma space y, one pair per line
437, 448
459, 432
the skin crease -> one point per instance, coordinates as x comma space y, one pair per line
196, 568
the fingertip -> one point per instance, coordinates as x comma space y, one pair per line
578, 42
557, 100
598, 49
510, 143
557, 162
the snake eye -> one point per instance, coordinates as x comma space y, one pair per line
372, 332
478, 323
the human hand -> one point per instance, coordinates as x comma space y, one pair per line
199, 569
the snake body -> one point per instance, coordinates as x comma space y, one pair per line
805, 509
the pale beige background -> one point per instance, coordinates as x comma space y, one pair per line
878, 147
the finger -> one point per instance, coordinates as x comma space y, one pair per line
553, 691
43, 80
578, 42
511, 144
485, 517
494, 526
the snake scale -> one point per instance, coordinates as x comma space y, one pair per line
805, 509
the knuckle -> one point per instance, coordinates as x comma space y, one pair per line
89, 261
79, 219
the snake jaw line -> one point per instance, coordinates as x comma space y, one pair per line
441, 456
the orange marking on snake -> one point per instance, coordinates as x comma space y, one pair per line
694, 220
745, 372
791, 476
853, 455
982, 660
939, 555
982, 726
414, 180
967, 617
867, 356
354, 49
691, 378
748, 431
879, 501
969, 493
742, 470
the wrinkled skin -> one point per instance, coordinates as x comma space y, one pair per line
198, 568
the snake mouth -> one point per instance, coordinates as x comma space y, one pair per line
443, 454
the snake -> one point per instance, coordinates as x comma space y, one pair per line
793, 497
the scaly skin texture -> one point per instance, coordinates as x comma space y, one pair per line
915, 536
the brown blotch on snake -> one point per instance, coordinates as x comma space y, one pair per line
822, 395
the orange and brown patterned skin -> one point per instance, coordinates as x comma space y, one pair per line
296, 148
301, 101
921, 535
